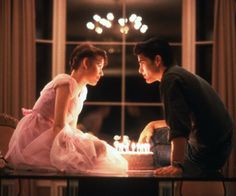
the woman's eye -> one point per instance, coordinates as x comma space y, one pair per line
100, 65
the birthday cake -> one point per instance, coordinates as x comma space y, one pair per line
138, 156
139, 161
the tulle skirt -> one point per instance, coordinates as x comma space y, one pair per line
33, 146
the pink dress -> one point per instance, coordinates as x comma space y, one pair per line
33, 144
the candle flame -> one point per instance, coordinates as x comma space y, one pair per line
132, 147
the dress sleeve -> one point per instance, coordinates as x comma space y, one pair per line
177, 113
63, 79
83, 94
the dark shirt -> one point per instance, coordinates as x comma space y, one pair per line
193, 109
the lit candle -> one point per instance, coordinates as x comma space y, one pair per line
123, 147
142, 148
116, 137
148, 147
116, 144
119, 147
138, 147
126, 146
133, 146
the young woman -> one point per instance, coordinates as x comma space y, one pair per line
47, 136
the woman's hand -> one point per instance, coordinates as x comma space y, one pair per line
56, 130
3, 162
100, 148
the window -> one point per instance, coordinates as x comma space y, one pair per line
121, 103
204, 33
43, 43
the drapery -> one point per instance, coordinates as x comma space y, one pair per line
224, 62
17, 56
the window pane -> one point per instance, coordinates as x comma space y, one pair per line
102, 121
79, 13
138, 91
204, 61
131, 61
205, 11
177, 50
43, 65
137, 118
107, 89
43, 19
163, 18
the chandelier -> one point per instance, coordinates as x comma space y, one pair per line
134, 21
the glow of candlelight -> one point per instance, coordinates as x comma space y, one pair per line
133, 146
116, 144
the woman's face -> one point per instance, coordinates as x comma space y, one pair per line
95, 71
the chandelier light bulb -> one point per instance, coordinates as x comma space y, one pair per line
121, 21
137, 24
124, 29
143, 28
96, 17
138, 19
110, 16
134, 21
103, 21
108, 24
98, 30
90, 25
132, 17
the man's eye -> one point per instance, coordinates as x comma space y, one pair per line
141, 63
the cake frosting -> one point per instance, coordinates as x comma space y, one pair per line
138, 160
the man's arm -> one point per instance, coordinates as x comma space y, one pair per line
147, 132
178, 147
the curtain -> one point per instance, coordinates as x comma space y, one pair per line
224, 62
17, 56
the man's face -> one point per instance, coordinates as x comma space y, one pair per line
148, 69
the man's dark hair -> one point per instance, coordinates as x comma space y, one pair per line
155, 46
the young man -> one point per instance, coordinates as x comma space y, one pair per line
200, 128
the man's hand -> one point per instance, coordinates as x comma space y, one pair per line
146, 133
168, 170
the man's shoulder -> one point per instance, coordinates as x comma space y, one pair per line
176, 70
173, 73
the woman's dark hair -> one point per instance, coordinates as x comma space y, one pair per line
85, 50
155, 46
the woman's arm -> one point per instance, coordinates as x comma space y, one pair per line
74, 123
61, 107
